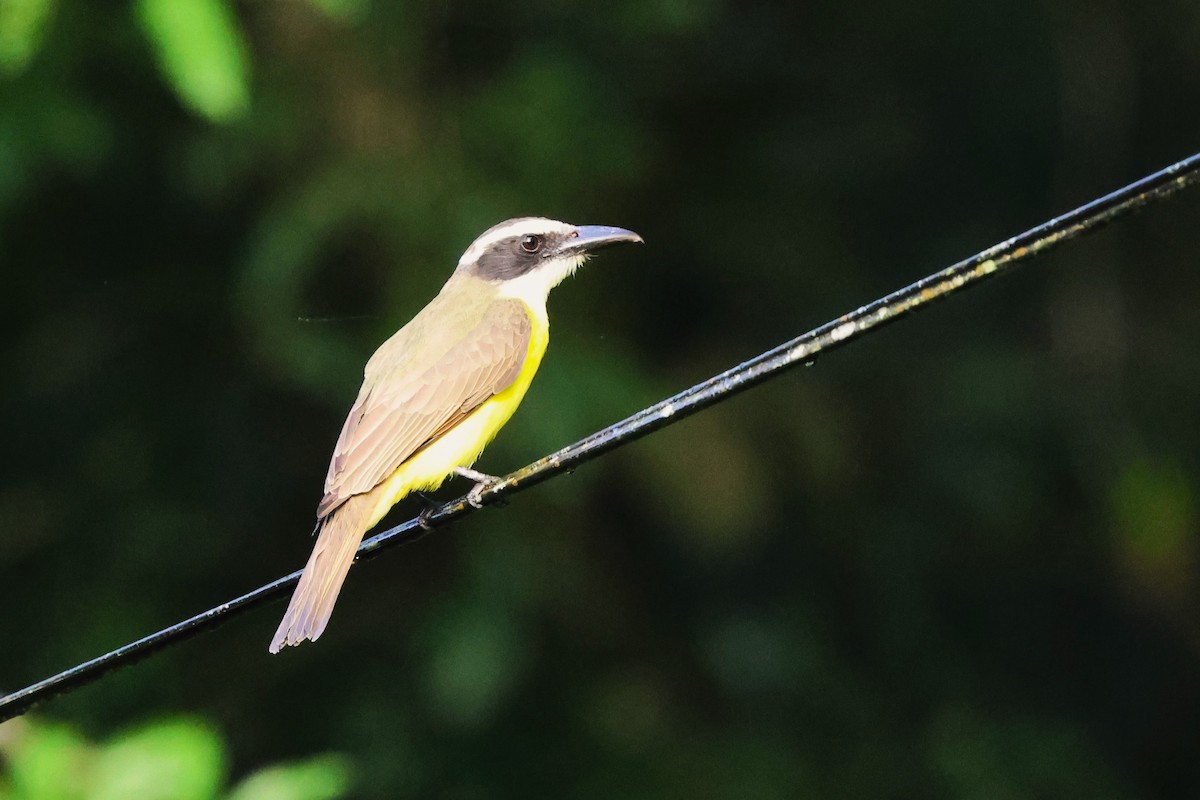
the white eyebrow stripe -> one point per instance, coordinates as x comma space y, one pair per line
505, 230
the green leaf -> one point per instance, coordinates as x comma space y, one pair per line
321, 778
45, 762
176, 760
22, 23
201, 53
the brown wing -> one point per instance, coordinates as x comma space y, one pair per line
400, 411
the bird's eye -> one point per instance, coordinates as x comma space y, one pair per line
531, 243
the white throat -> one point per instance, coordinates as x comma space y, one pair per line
534, 287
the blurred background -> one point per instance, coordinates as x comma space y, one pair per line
957, 559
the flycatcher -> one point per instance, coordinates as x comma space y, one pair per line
436, 392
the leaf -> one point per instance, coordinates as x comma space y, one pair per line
321, 778
201, 53
22, 23
175, 760
44, 762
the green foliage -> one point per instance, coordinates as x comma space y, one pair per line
352, 10
1154, 520
980, 756
22, 26
320, 778
201, 53
175, 759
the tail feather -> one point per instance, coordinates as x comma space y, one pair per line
312, 603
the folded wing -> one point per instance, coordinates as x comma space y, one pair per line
401, 410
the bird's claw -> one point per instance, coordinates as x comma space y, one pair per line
482, 482
423, 519
475, 496
431, 505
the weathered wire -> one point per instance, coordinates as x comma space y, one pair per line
803, 349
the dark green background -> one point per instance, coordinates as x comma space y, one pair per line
957, 559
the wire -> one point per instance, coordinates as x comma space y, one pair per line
803, 349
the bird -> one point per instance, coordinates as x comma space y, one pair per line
436, 392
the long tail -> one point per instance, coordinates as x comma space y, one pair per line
312, 603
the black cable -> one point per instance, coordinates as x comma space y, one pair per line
803, 349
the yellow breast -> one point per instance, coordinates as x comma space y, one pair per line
462, 444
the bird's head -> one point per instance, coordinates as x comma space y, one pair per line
534, 253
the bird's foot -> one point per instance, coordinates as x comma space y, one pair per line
430, 506
482, 482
